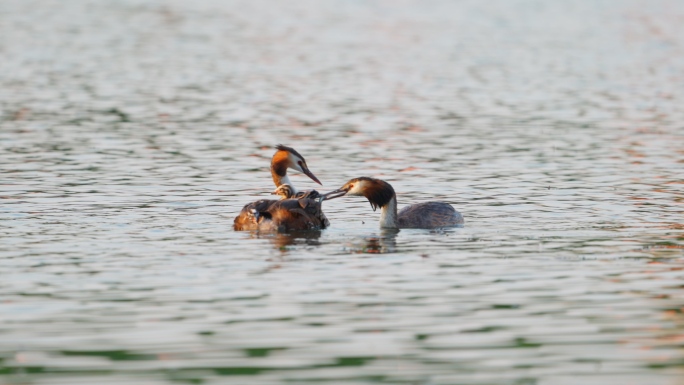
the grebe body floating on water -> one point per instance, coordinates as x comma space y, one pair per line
304, 212
428, 215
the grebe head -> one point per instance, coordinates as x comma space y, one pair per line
288, 157
285, 191
378, 192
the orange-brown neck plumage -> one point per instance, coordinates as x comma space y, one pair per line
381, 194
279, 165
378, 192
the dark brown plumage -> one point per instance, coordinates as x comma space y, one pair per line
378, 192
283, 215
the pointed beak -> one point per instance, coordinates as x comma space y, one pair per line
334, 194
308, 173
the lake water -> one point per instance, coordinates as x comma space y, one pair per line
132, 132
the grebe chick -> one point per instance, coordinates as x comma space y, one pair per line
428, 215
284, 215
287, 191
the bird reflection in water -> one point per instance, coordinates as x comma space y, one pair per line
385, 242
287, 241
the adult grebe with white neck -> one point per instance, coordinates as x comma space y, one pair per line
427, 215
295, 211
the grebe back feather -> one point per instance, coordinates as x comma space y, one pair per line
283, 215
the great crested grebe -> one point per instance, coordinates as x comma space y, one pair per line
302, 213
428, 215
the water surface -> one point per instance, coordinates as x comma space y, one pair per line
132, 132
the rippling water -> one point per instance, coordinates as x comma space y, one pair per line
131, 133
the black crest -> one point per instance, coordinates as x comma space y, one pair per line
290, 150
